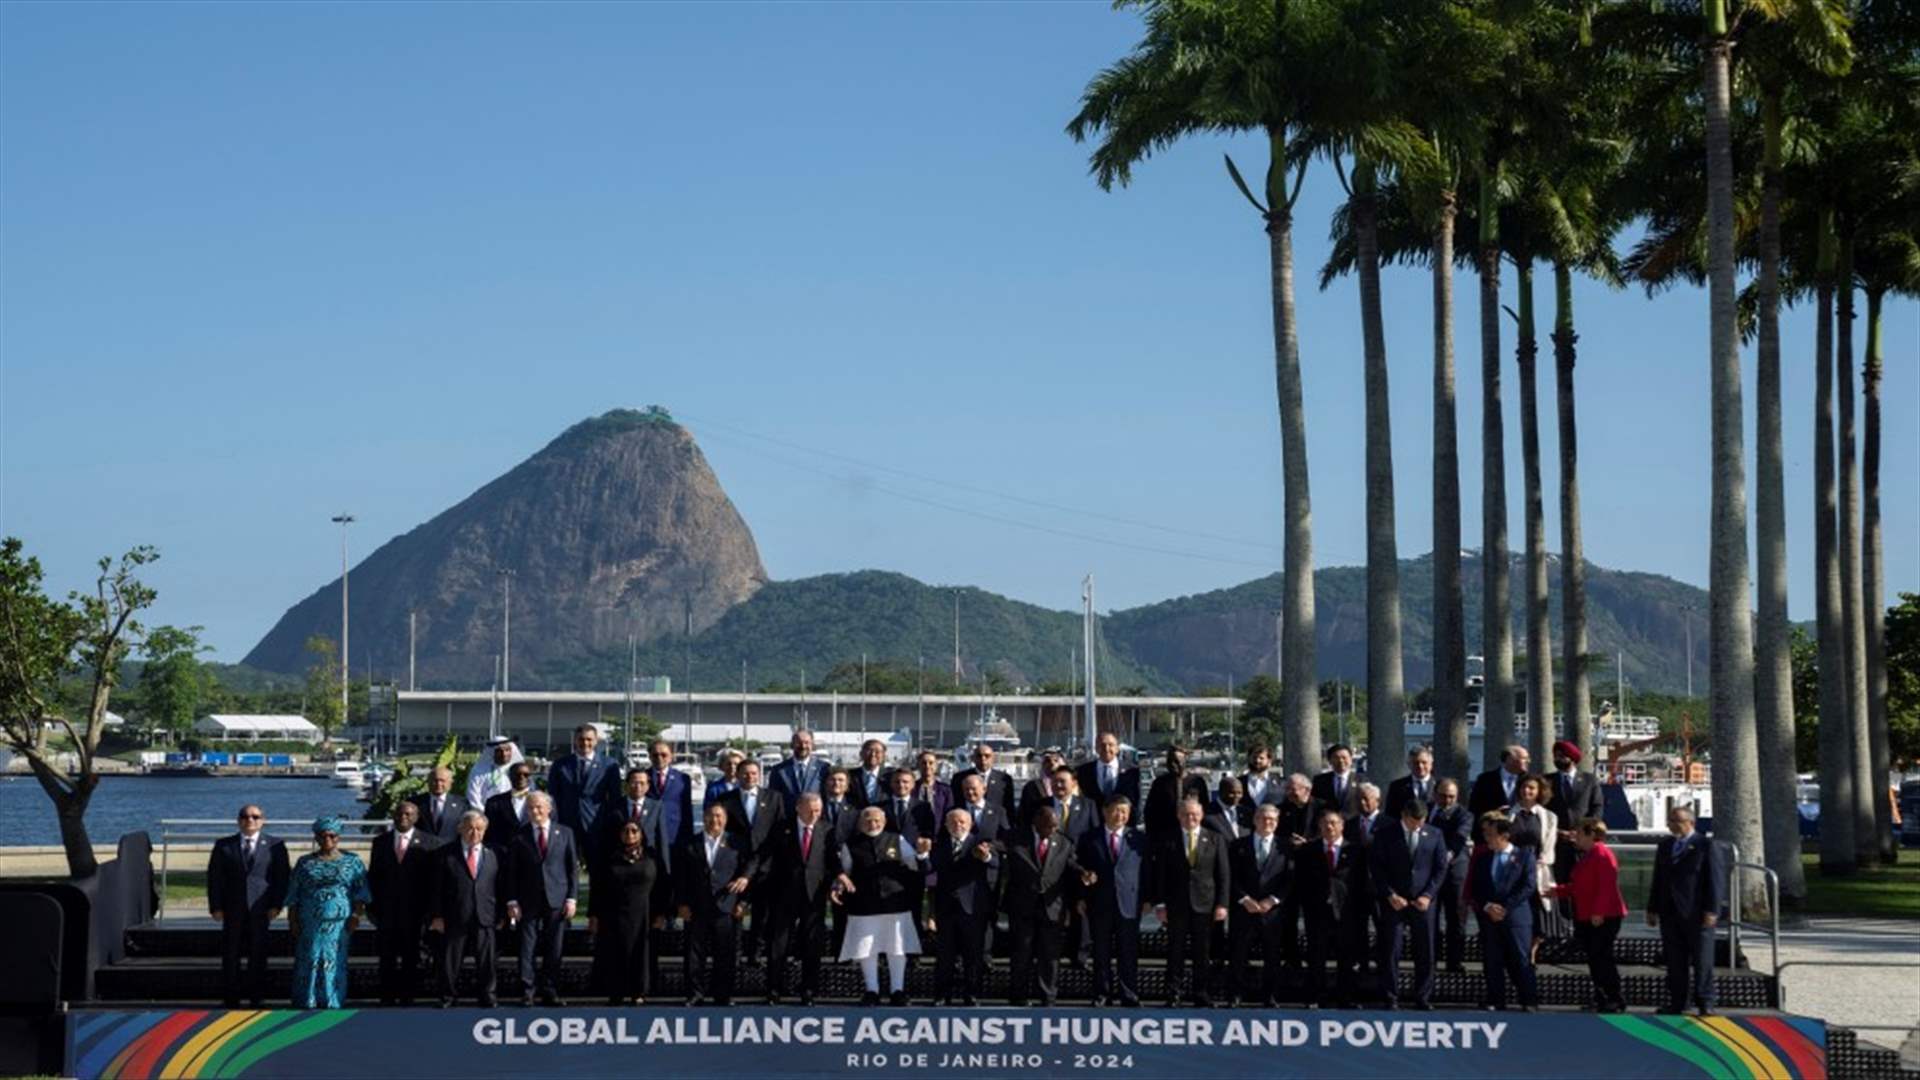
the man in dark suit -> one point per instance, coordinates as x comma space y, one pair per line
800, 773
581, 783
1041, 872
1299, 825
1689, 889
1408, 867
1195, 882
400, 878
1573, 796
911, 819
930, 789
468, 899
1323, 873
1338, 787
544, 895
637, 805
989, 819
674, 790
867, 785
999, 785
800, 865
840, 812
1361, 826
440, 808
1455, 826
1230, 816
1106, 777
247, 876
507, 811
1038, 790
962, 863
754, 814
714, 874
1261, 785
1073, 813
1503, 888
1260, 867
1494, 789
1417, 784
1161, 818
1115, 868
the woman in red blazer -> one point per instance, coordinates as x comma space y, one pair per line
1598, 908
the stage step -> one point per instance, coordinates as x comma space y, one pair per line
1848, 1057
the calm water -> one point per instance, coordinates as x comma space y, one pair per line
123, 804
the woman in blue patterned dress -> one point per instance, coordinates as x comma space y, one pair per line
325, 902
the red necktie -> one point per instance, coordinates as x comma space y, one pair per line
543, 843
1113, 843
400, 849
473, 862
1043, 852
1333, 859
806, 843
636, 811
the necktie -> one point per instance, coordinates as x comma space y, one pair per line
1113, 844
751, 801
635, 816
400, 848
806, 842
1260, 847
1333, 859
1339, 788
959, 846
899, 810
1043, 851
437, 805
473, 862
1193, 844
1106, 779
660, 781
1413, 841
543, 843
249, 853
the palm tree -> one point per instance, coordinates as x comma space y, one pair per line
1237, 66
1838, 793
1539, 681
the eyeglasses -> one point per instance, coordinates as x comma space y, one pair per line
251, 817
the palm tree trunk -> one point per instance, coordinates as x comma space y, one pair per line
1300, 689
1496, 602
1773, 668
1573, 567
1540, 726
1386, 713
1873, 580
1449, 598
1868, 789
1837, 854
1736, 757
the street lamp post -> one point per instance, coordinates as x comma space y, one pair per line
343, 520
506, 629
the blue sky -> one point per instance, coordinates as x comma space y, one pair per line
262, 263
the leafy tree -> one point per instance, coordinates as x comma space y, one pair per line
173, 682
323, 684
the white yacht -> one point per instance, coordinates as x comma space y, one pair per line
347, 774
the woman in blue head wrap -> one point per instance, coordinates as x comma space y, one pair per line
324, 905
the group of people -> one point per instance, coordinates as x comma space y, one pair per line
875, 859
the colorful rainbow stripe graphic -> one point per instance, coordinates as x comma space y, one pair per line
1726, 1048
190, 1043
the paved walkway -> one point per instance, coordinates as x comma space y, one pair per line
1844, 988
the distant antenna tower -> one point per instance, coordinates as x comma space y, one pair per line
956, 637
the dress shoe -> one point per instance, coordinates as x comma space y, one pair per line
806, 1001
489, 1003
1390, 1005
722, 1003
1048, 1003
1128, 1001
695, 1001
1529, 1008
1704, 1010
446, 1003
553, 999
526, 1001
898, 999
1423, 1006
869, 999
1202, 1001
969, 1002
773, 998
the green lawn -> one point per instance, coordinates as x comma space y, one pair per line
1886, 892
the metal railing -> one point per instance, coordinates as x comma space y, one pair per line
1737, 920
196, 831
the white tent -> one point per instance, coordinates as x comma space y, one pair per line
256, 727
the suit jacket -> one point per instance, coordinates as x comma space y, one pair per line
1489, 793
999, 789
769, 813
1032, 797
939, 798
703, 886
992, 823
1126, 782
1573, 802
1229, 826
543, 884
857, 778
918, 821
962, 883
1257, 879
843, 817
674, 790
1455, 827
1328, 893
1515, 893
1035, 889
1299, 820
503, 821
1274, 792
1349, 799
793, 780
579, 788
795, 881
1081, 817
1689, 879
234, 887
1409, 873
447, 828
1122, 883
1401, 792
653, 829
1361, 835
401, 889
470, 901
1164, 796
1201, 887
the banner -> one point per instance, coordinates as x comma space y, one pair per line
1192, 1044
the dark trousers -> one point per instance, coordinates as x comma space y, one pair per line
1688, 946
399, 944
1289, 930
796, 926
541, 936
1598, 943
455, 944
1035, 949
1366, 916
1254, 937
1419, 926
1345, 940
1189, 936
1507, 950
962, 955
711, 937
1115, 938
244, 933
1450, 914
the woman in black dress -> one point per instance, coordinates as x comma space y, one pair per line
620, 918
